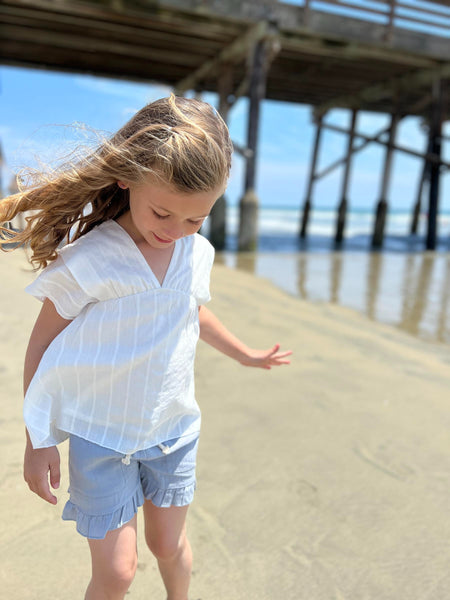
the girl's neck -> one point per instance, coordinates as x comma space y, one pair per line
126, 223
158, 259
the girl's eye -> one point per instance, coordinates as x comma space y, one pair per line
197, 222
158, 216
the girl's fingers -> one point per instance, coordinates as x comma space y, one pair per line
278, 358
55, 475
38, 465
275, 349
283, 354
45, 493
42, 489
266, 359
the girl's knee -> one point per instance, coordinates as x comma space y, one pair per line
114, 562
165, 530
166, 547
116, 580
123, 572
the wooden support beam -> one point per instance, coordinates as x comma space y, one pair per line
355, 149
396, 147
387, 89
312, 45
242, 150
419, 106
241, 89
235, 52
390, 24
217, 218
306, 13
342, 211
77, 42
312, 170
248, 213
418, 203
417, 206
382, 206
435, 146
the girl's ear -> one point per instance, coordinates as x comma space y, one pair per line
122, 185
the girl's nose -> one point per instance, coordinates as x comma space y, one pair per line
174, 232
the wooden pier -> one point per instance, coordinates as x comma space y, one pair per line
392, 59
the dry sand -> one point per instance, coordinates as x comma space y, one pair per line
325, 480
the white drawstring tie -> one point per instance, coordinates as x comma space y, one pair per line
127, 458
164, 449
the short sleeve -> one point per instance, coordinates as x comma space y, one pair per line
57, 284
204, 252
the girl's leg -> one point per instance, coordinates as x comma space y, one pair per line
165, 533
114, 562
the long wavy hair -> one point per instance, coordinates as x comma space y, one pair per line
183, 142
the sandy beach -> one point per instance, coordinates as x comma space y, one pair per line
325, 480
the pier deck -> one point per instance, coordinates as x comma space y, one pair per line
322, 59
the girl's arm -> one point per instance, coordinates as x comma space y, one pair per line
37, 463
214, 333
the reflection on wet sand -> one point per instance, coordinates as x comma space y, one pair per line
415, 302
444, 316
410, 291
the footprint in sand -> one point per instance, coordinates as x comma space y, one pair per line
386, 458
307, 492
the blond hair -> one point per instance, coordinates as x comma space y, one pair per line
183, 142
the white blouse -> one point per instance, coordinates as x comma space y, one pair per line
121, 374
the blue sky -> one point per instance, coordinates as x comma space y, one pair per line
43, 112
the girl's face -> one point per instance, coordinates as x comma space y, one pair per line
160, 214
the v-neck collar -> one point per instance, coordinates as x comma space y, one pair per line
143, 259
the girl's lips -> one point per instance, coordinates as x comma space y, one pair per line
158, 239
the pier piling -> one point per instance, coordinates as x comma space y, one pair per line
218, 217
311, 179
418, 204
382, 206
435, 167
342, 210
249, 202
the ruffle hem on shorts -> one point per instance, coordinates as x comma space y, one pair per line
96, 527
171, 497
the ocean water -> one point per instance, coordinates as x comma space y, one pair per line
278, 230
402, 285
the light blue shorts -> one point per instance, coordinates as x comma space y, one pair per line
107, 488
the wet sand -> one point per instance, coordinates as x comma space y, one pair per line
409, 290
324, 480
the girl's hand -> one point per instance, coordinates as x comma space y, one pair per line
266, 359
214, 333
37, 464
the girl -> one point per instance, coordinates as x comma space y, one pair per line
110, 359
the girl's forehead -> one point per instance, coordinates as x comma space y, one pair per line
171, 199
157, 185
